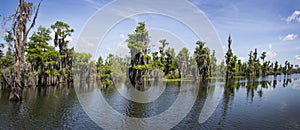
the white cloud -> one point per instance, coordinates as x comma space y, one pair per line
52, 34
294, 17
271, 54
85, 43
243, 59
270, 46
122, 36
289, 37
297, 57
123, 49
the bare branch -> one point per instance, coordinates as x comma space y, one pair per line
13, 20
35, 16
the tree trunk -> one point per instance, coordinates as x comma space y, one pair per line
20, 32
16, 91
136, 76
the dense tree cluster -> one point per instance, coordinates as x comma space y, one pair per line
202, 56
33, 61
255, 67
43, 62
41, 58
144, 64
47, 64
201, 65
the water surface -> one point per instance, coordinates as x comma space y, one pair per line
259, 103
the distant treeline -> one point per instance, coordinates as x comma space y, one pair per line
144, 64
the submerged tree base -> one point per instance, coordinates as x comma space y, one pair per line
15, 95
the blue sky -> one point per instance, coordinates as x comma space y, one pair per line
271, 26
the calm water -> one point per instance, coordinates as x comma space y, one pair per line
261, 103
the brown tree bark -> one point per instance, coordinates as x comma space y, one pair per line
21, 32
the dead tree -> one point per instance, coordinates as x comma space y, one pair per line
20, 19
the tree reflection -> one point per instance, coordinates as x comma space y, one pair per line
274, 81
253, 85
202, 93
264, 84
286, 81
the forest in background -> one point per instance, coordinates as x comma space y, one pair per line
27, 61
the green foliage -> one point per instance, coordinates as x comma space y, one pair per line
213, 64
164, 43
47, 63
202, 56
170, 64
99, 65
276, 67
41, 56
82, 61
138, 41
182, 60
7, 60
142, 67
155, 62
38, 44
140, 60
263, 56
222, 68
118, 69
62, 31
287, 67
257, 65
106, 79
230, 60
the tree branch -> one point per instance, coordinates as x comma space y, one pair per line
34, 18
13, 20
